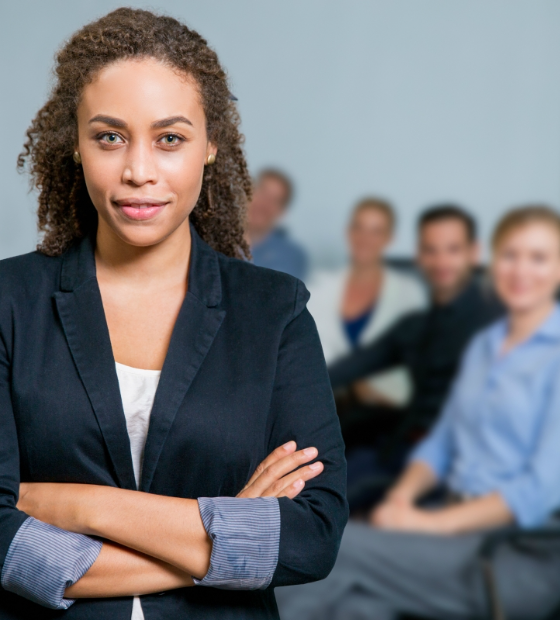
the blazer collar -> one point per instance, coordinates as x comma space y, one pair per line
82, 316
78, 267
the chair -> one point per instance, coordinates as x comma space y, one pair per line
488, 552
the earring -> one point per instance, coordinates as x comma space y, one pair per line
77, 158
210, 159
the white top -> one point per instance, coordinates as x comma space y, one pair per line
138, 389
399, 295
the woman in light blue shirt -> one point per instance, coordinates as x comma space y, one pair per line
495, 450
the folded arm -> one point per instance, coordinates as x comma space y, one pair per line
119, 571
302, 408
161, 540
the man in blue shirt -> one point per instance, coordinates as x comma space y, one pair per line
270, 244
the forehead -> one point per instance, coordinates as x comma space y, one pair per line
272, 183
370, 215
532, 233
445, 230
141, 90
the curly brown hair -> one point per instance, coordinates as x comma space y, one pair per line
65, 211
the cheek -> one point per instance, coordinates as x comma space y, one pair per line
182, 174
545, 275
100, 180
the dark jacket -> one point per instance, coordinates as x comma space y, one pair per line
429, 344
244, 373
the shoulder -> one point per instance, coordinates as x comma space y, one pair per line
282, 238
258, 289
484, 341
327, 281
405, 283
28, 272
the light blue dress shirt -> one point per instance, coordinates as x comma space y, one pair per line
500, 428
277, 251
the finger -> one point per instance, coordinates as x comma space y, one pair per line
279, 469
282, 488
295, 489
273, 457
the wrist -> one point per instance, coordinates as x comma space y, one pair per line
442, 521
401, 495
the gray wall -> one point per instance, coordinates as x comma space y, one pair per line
417, 100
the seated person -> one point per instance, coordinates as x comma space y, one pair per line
495, 450
354, 305
430, 342
270, 244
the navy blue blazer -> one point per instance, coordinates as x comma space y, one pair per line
244, 373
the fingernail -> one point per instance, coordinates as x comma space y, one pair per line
298, 484
310, 451
315, 466
288, 446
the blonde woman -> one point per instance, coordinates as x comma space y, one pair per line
353, 306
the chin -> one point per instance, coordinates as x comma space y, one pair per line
142, 235
517, 304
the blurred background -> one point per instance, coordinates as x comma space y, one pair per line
418, 102
362, 114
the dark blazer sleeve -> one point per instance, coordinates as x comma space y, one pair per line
303, 409
11, 519
382, 354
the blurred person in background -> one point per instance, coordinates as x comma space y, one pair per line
494, 452
429, 342
354, 305
270, 244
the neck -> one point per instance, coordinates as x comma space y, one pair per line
368, 271
256, 235
444, 296
164, 262
523, 323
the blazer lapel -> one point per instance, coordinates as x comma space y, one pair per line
197, 325
80, 309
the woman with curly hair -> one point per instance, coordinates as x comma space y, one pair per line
154, 385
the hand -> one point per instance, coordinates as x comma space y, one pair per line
275, 476
401, 515
368, 395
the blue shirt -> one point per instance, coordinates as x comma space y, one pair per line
355, 327
500, 428
277, 251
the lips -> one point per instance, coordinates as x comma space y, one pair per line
140, 211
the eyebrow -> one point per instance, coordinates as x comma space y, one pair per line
117, 122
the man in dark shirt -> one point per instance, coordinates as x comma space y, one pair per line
428, 343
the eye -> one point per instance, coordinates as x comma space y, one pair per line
171, 139
110, 138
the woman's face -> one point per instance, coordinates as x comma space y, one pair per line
526, 267
368, 236
143, 143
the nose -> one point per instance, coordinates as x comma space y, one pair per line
140, 165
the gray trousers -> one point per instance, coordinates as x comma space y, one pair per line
379, 575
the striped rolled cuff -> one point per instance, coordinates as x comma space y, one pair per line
43, 561
246, 538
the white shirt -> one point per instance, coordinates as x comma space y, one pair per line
138, 389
